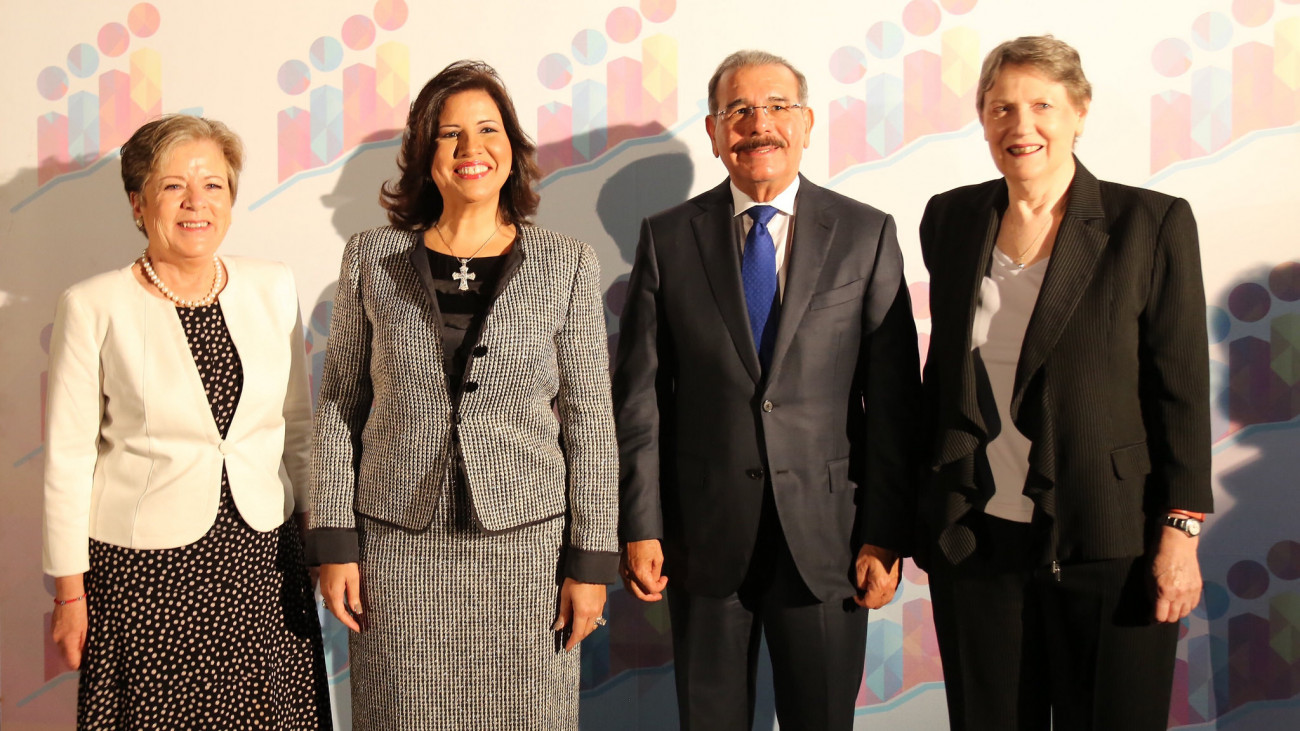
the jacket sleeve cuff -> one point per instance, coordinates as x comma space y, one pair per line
332, 545
591, 567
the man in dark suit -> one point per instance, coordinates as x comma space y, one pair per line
765, 391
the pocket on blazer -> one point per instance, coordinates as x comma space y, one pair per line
1132, 462
838, 469
839, 295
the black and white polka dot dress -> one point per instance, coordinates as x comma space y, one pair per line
219, 634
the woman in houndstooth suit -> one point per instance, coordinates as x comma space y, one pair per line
464, 462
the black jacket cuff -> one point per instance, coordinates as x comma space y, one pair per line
332, 545
591, 567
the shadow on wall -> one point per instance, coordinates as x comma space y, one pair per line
648, 173
1240, 646
354, 206
79, 226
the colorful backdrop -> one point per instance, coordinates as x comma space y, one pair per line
1197, 98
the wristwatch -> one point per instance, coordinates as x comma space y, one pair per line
1190, 526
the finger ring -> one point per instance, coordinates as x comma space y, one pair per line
600, 621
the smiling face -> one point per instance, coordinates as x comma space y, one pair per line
184, 205
472, 160
1030, 124
761, 152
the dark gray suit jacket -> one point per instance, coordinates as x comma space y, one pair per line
831, 425
1112, 386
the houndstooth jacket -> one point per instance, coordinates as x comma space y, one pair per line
382, 440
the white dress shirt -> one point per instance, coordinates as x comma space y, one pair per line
780, 227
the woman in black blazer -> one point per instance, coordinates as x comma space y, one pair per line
1067, 398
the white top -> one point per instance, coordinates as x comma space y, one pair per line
1007, 298
780, 227
132, 454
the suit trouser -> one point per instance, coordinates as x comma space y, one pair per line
817, 648
1026, 649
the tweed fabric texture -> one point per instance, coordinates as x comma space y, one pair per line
457, 630
382, 441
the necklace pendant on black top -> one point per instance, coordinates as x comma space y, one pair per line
464, 275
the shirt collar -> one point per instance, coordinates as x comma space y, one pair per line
783, 202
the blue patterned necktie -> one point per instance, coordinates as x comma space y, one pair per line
758, 270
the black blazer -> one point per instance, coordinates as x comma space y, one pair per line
1112, 386
832, 424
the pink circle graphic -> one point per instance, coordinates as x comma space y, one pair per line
657, 11
1248, 579
1212, 31
52, 83
555, 71
358, 32
143, 20
1171, 57
391, 14
884, 40
920, 294
848, 64
1249, 302
326, 54
1252, 13
113, 39
921, 17
1284, 281
623, 24
83, 60
294, 77
958, 7
1284, 560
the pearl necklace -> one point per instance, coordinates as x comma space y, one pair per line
208, 299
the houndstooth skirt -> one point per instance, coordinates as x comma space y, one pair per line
457, 627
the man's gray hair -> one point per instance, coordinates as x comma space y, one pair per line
743, 59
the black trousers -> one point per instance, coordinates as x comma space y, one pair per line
817, 649
1025, 648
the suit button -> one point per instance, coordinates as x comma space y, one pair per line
480, 351
471, 386
224, 448
754, 474
455, 419
768, 406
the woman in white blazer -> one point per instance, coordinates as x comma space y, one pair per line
179, 423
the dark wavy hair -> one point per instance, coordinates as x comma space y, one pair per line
413, 201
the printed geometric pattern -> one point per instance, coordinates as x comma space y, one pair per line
348, 107
934, 93
1252, 86
99, 121
1263, 374
635, 98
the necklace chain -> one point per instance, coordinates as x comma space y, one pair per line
1039, 237
464, 275
217, 280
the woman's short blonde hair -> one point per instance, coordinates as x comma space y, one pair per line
153, 142
1056, 60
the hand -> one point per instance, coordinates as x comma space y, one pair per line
876, 575
642, 570
1175, 575
69, 624
340, 585
580, 605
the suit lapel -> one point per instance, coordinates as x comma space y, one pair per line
720, 252
971, 264
814, 229
419, 259
1069, 272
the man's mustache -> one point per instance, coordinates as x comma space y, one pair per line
753, 143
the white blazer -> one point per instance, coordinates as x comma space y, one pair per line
132, 454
